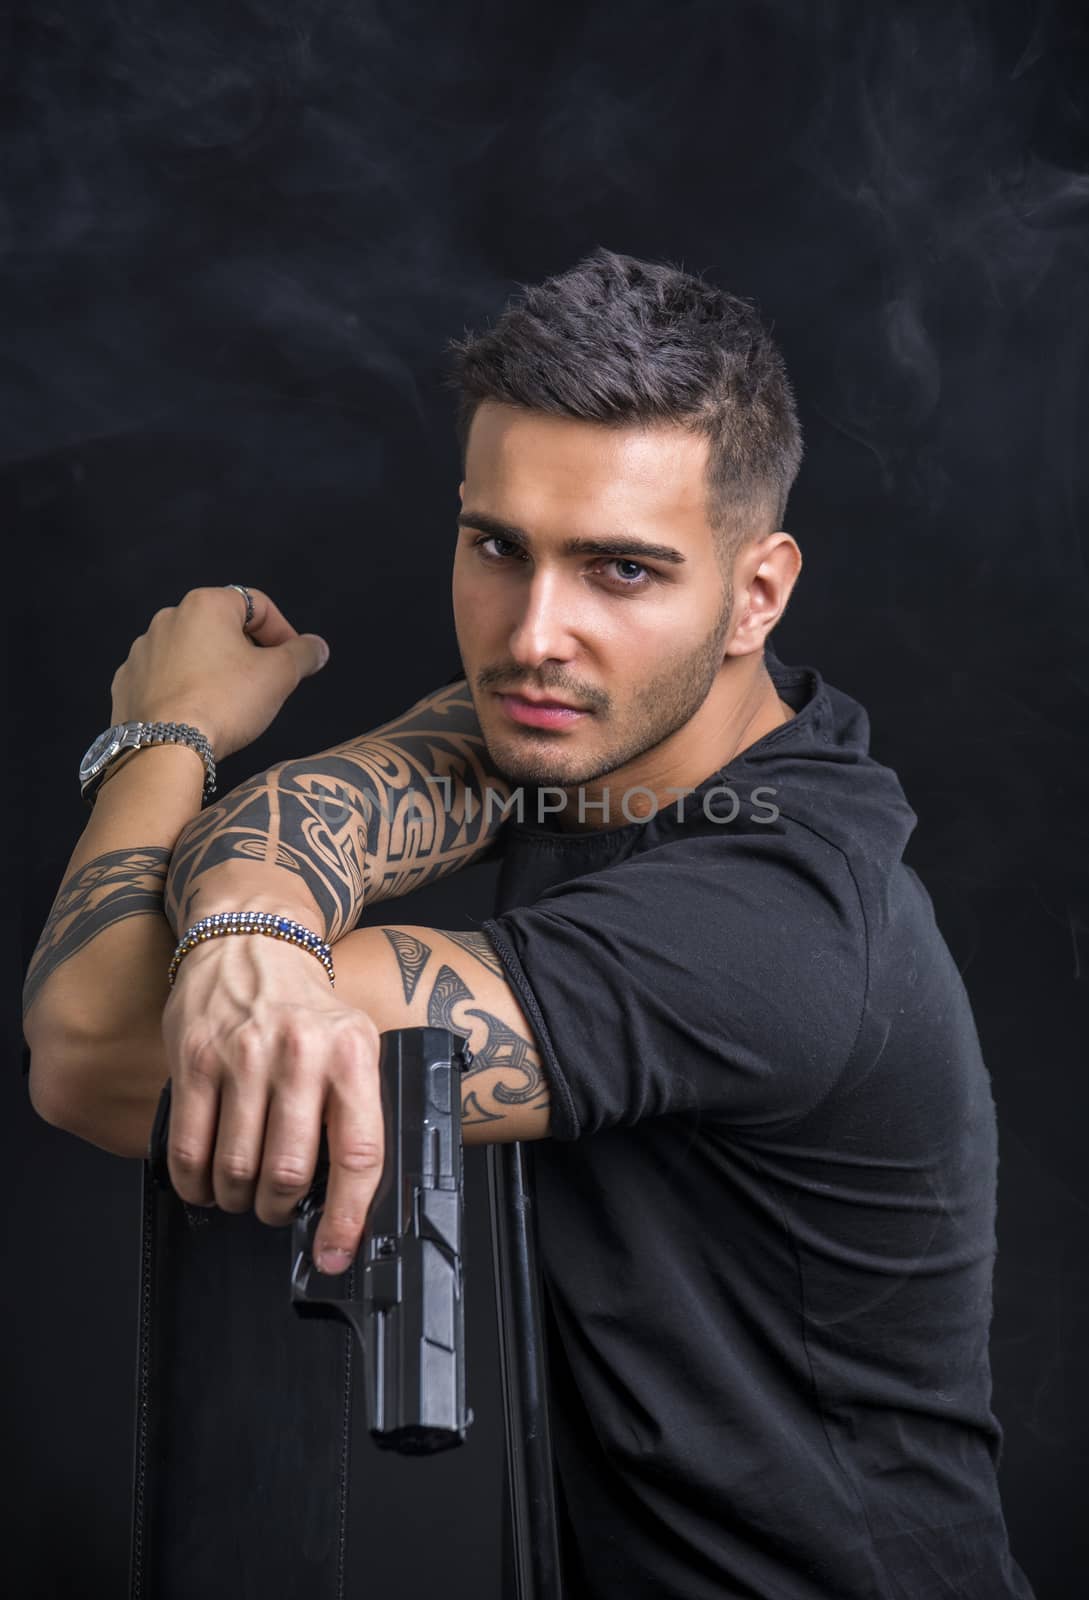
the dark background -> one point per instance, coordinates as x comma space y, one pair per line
235, 238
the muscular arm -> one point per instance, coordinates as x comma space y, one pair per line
311, 838
456, 981
409, 802
255, 1076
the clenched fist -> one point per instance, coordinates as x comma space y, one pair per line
198, 664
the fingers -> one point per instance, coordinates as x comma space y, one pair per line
240, 1136
306, 654
192, 1136
246, 1120
292, 1140
353, 1117
268, 625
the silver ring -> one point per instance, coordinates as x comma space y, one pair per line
247, 597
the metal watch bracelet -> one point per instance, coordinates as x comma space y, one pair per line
152, 733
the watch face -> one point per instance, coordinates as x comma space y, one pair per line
100, 752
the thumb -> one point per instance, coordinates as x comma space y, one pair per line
310, 653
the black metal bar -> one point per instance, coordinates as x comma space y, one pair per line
523, 1364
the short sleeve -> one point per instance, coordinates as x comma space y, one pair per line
725, 977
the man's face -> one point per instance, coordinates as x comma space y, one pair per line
634, 637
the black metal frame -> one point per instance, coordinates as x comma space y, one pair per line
523, 1360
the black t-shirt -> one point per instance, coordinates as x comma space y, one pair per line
767, 1208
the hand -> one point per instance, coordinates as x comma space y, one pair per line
195, 664
261, 1052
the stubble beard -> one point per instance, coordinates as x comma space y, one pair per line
658, 709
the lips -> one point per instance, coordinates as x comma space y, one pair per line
539, 713
544, 700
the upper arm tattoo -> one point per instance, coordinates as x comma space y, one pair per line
412, 955
447, 991
116, 885
372, 819
503, 1048
479, 945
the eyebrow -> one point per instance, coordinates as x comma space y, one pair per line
621, 545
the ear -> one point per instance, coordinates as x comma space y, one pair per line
765, 577
461, 491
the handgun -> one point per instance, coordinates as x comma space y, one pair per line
404, 1294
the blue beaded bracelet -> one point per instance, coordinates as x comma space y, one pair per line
224, 922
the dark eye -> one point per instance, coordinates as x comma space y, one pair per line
493, 538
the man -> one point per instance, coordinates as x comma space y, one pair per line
713, 996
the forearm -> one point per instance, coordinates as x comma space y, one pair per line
96, 984
366, 821
313, 839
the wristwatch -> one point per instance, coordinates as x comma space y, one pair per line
111, 746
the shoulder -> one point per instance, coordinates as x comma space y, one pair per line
735, 960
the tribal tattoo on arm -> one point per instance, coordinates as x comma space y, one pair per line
368, 820
109, 889
506, 1073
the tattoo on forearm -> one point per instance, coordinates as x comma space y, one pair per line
412, 957
373, 819
112, 887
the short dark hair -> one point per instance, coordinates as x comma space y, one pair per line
622, 341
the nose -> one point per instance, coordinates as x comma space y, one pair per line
544, 630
